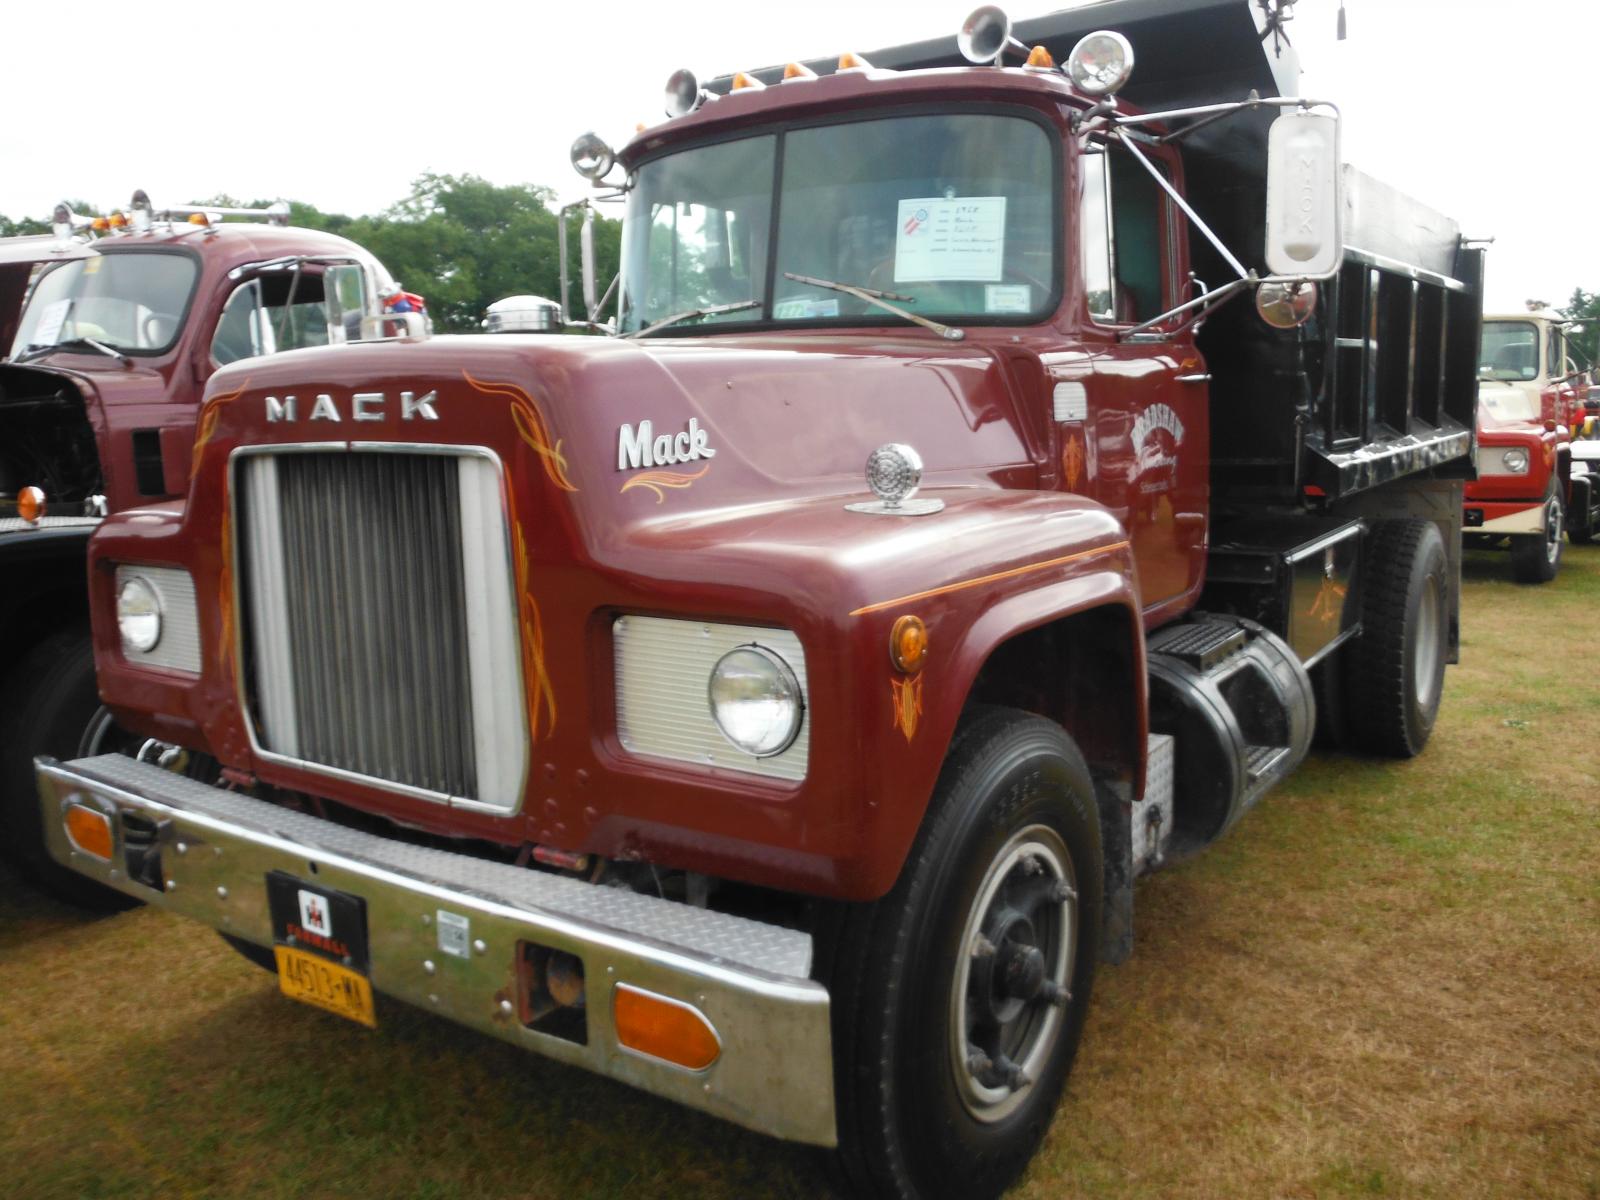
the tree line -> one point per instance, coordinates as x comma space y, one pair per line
458, 241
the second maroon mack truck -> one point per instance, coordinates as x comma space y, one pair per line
583, 691
110, 328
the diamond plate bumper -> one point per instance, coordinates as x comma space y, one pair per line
750, 980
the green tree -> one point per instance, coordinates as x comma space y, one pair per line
1585, 307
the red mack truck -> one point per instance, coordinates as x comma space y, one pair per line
581, 690
110, 328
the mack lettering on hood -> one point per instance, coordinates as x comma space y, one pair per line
642, 448
364, 406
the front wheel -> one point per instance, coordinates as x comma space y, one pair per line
1536, 557
52, 707
959, 998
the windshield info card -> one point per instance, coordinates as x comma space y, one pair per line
939, 239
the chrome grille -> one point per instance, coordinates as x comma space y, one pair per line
379, 633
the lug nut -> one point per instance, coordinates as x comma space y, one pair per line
978, 1063
982, 947
1054, 993
1061, 891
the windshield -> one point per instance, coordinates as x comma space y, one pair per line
949, 216
130, 302
1509, 350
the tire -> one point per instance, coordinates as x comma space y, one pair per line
1536, 557
261, 956
52, 707
1010, 850
1394, 671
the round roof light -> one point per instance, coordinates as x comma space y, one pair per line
591, 157
1100, 63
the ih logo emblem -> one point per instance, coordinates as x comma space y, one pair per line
314, 915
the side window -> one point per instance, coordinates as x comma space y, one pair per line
1123, 214
273, 312
1552, 355
241, 333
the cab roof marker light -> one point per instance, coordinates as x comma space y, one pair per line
797, 71
1039, 58
850, 61
743, 82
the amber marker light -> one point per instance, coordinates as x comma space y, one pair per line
198, 219
664, 1028
118, 221
908, 644
742, 81
853, 62
30, 504
99, 224
89, 831
1040, 57
798, 71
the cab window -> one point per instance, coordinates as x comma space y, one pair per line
1123, 220
280, 311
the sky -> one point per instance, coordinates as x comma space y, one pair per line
343, 105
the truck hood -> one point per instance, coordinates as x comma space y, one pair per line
650, 428
1505, 409
18, 257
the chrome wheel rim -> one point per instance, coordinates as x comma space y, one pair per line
1426, 652
1009, 991
1552, 531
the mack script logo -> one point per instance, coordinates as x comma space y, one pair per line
644, 448
364, 406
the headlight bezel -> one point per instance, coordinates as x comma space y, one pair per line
148, 614
785, 682
1518, 467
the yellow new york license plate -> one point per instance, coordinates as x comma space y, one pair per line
314, 980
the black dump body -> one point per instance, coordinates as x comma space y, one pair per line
1381, 384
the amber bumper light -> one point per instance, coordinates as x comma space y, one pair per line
664, 1028
30, 504
89, 831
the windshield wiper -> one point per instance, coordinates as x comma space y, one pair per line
34, 352
881, 299
708, 311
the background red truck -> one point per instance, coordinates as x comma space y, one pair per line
105, 361
1532, 404
582, 690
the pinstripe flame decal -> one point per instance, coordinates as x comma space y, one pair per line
531, 428
656, 480
209, 416
541, 693
907, 704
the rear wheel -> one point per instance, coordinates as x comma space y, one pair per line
1394, 672
52, 707
1536, 557
959, 998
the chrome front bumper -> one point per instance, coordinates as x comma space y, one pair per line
750, 980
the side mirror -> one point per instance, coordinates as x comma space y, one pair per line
1304, 205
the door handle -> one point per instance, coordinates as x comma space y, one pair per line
1202, 378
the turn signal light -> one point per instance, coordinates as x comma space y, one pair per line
853, 62
89, 831
664, 1028
1040, 57
908, 644
30, 504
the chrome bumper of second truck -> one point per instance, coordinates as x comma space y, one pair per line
774, 1073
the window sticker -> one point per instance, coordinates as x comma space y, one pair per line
51, 321
804, 308
1007, 298
960, 239
91, 266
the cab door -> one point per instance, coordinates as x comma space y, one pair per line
1134, 406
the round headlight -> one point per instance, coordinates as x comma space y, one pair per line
1100, 63
755, 700
138, 615
591, 157
1515, 461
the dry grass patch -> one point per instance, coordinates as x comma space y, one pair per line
1385, 982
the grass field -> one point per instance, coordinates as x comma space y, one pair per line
1385, 982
